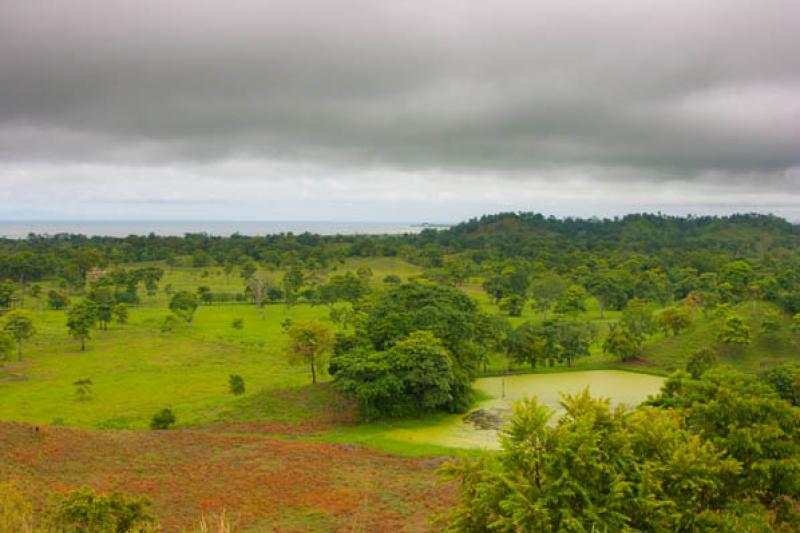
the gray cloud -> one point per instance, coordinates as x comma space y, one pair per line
632, 90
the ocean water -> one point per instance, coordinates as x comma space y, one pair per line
19, 229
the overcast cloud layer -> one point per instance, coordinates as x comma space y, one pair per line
394, 110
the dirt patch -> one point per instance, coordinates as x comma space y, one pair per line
272, 484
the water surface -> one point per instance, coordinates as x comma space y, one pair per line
620, 387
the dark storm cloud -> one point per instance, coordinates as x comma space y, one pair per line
668, 88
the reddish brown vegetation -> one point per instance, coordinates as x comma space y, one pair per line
270, 484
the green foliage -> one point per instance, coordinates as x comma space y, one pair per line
238, 323
770, 323
546, 291
310, 343
674, 319
701, 361
120, 313
622, 342
81, 318
183, 304
785, 379
413, 377
741, 414
638, 317
57, 299
163, 419
512, 304
83, 511
6, 345
600, 470
734, 332
392, 279
19, 326
236, 384
572, 301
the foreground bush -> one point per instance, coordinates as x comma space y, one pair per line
83, 511
652, 469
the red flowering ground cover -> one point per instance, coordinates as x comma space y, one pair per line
268, 485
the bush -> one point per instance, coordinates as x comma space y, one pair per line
236, 384
163, 419
238, 323
84, 511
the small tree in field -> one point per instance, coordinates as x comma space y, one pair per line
236, 384
310, 343
184, 304
734, 333
80, 320
120, 312
163, 419
20, 327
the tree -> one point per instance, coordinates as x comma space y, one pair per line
310, 343
567, 340
744, 416
120, 313
184, 304
638, 317
83, 510
6, 293
621, 342
770, 323
526, 344
102, 299
785, 379
674, 319
701, 361
163, 419
19, 326
292, 281
236, 384
546, 291
6, 346
572, 301
413, 377
512, 304
734, 333
57, 299
600, 469
81, 318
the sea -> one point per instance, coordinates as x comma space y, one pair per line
20, 229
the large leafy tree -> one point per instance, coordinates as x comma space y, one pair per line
413, 377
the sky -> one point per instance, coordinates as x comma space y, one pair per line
395, 110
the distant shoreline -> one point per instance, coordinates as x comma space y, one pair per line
20, 229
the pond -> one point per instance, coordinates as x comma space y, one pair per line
474, 430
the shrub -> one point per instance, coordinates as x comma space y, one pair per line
238, 323
84, 511
163, 419
236, 384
